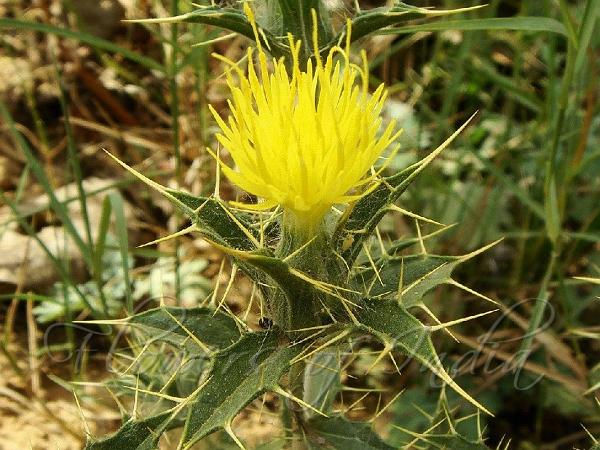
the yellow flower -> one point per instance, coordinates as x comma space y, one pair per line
305, 140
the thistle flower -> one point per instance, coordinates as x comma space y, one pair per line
303, 139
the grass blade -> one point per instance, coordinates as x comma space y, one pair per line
94, 41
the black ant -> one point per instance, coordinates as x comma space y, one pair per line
265, 323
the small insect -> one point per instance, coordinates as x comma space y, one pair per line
265, 323
348, 241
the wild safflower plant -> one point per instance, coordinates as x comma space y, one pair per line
303, 138
304, 134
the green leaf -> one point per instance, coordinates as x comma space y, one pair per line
239, 374
296, 18
135, 435
228, 19
175, 325
322, 380
302, 293
40, 174
85, 38
553, 219
342, 434
533, 24
217, 222
395, 327
373, 20
118, 207
586, 30
420, 274
367, 212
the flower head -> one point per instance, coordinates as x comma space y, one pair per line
303, 139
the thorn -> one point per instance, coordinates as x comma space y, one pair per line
316, 327
366, 249
588, 279
215, 40
448, 418
192, 336
420, 237
156, 394
413, 215
330, 289
430, 314
382, 248
227, 288
391, 355
86, 426
104, 321
351, 407
400, 282
231, 434
420, 280
387, 349
457, 321
297, 251
213, 299
340, 336
592, 389
134, 414
292, 397
419, 166
423, 412
471, 291
307, 338
468, 256
382, 410
139, 355
152, 184
245, 230
589, 434
250, 302
171, 236
174, 375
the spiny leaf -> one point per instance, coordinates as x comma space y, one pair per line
239, 374
367, 212
227, 18
402, 244
322, 379
134, 435
420, 273
393, 325
375, 19
300, 289
172, 324
342, 434
214, 219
